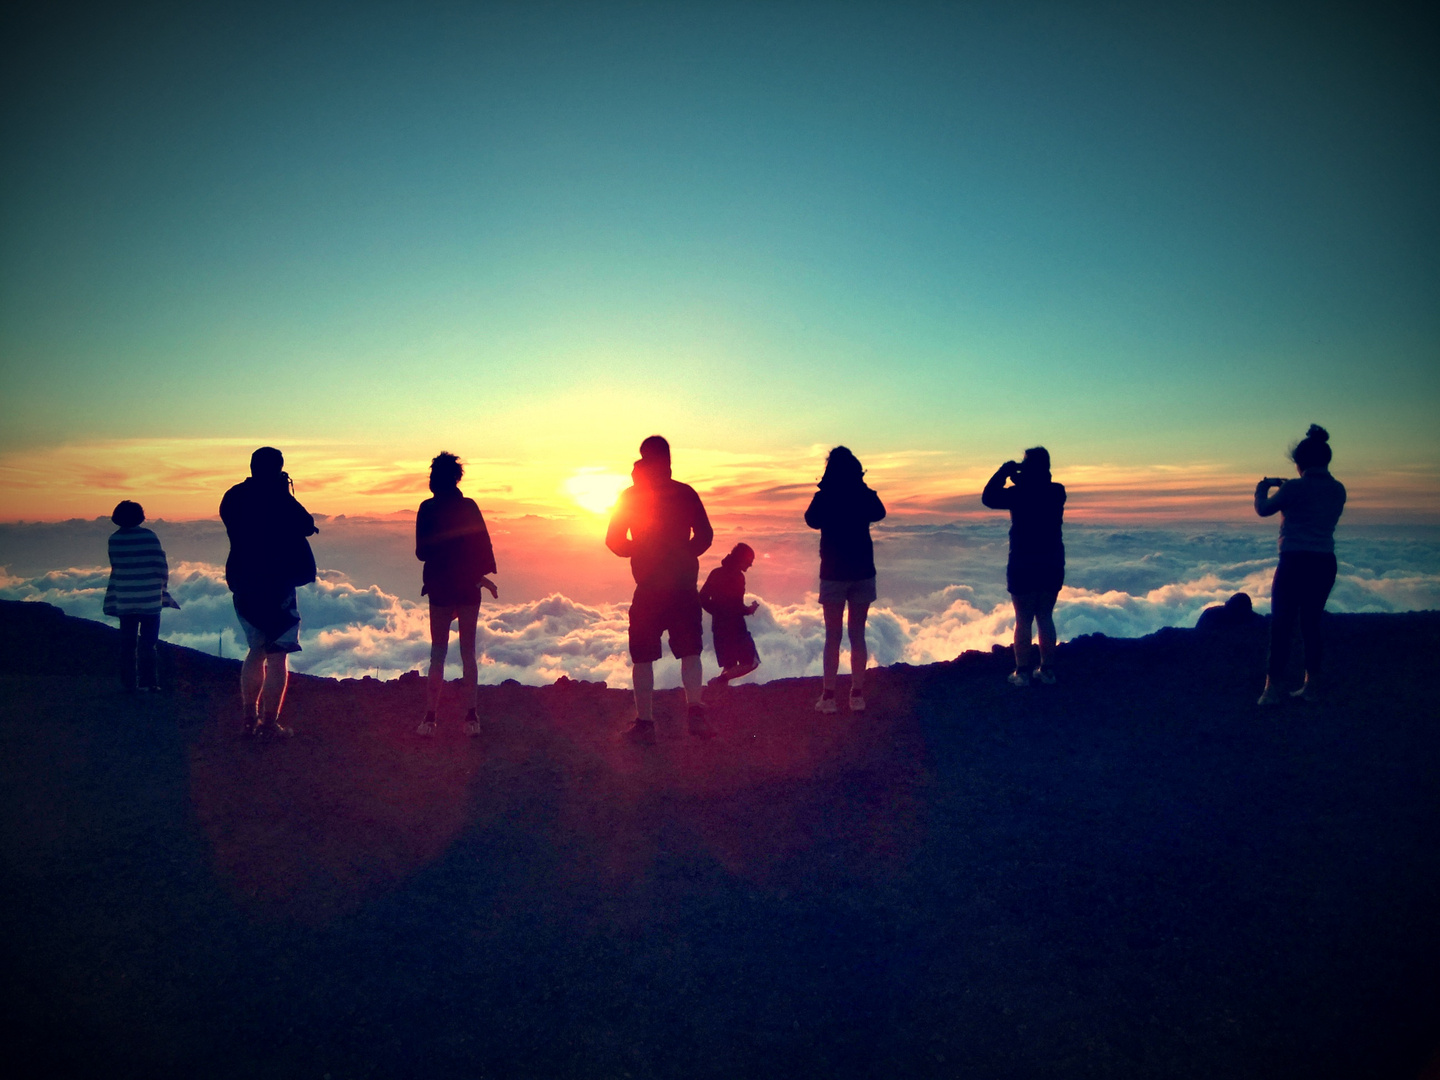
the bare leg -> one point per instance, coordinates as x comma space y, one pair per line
1045, 622
834, 623
1024, 615
468, 616
644, 676
736, 671
252, 678
859, 655
441, 616
277, 678
691, 674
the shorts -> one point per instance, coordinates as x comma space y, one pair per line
286, 609
1030, 575
851, 592
655, 613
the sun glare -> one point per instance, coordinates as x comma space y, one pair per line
595, 490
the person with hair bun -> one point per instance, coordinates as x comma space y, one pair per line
136, 593
453, 543
1309, 507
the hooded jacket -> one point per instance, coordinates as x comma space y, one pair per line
843, 511
660, 525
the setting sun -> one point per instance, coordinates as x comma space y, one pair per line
595, 490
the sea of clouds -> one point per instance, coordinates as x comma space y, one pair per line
942, 592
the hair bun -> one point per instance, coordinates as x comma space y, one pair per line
1317, 433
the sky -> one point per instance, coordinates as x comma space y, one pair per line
1159, 239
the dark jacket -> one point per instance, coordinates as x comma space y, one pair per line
843, 515
453, 543
660, 525
723, 594
267, 527
1037, 552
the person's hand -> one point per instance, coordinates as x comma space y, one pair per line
1272, 481
1012, 468
752, 607
489, 586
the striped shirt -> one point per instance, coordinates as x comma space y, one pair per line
138, 573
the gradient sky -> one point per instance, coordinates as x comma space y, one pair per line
1152, 237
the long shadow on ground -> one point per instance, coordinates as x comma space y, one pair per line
1135, 873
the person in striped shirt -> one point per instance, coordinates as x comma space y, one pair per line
136, 593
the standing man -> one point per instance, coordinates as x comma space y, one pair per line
269, 558
661, 527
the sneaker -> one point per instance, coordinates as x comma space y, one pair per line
826, 703
472, 724
271, 727
1305, 693
1045, 676
1018, 678
857, 702
640, 733
1273, 695
427, 726
249, 726
699, 726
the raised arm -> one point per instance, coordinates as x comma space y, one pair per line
996, 495
301, 519
1265, 503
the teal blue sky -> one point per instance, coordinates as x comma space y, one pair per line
1164, 233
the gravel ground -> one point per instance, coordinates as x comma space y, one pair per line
1134, 873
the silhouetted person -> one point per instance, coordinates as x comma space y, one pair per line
1309, 506
1236, 613
843, 509
723, 595
136, 593
1036, 568
270, 558
453, 543
660, 525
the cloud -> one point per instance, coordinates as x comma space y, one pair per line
942, 592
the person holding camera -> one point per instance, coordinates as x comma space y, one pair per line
1309, 506
1036, 568
269, 558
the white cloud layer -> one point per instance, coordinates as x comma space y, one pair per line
1121, 583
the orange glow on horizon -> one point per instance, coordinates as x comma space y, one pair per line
183, 479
